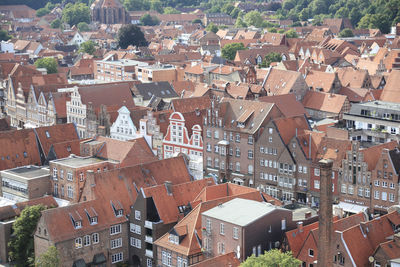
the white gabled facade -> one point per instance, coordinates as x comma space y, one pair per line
123, 127
76, 112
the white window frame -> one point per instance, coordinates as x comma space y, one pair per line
118, 257
116, 243
222, 228
95, 238
115, 229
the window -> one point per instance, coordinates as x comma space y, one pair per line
235, 233
70, 192
250, 169
270, 139
237, 138
250, 154
238, 166
304, 169
316, 172
208, 133
69, 176
384, 184
270, 130
221, 248
283, 224
216, 135
261, 162
311, 252
316, 184
149, 262
351, 190
93, 220
376, 183
384, 196
166, 258
86, 240
95, 238
78, 242
250, 140
137, 215
115, 229
181, 262
55, 173
135, 228
137, 243
376, 194
222, 229
173, 239
391, 185
367, 192
391, 197
117, 257
344, 189
116, 243
360, 191
237, 152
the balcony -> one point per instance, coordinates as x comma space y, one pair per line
149, 253
149, 239
148, 224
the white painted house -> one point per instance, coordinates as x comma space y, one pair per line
124, 129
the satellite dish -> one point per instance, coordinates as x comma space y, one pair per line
371, 259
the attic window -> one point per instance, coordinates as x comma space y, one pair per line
173, 239
162, 92
78, 224
47, 134
168, 92
117, 208
25, 154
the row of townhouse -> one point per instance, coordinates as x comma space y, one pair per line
252, 143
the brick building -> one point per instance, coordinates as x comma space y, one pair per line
231, 131
244, 226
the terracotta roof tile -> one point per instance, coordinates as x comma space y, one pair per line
324, 101
168, 203
228, 259
286, 103
289, 127
373, 153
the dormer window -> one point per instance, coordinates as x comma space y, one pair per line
93, 220
173, 239
78, 224
117, 208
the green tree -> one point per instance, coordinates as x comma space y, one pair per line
235, 12
273, 30
88, 47
149, 20
21, 246
55, 23
171, 10
240, 23
365, 21
131, 35
346, 33
343, 12
271, 57
227, 8
156, 5
51, 258
212, 28
42, 11
197, 21
49, 63
291, 34
355, 16
229, 50
4, 36
133, 5
75, 13
83, 27
281, 31
253, 18
272, 258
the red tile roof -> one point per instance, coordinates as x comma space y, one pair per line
286, 103
324, 101
228, 260
181, 195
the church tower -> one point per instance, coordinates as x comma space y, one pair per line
109, 12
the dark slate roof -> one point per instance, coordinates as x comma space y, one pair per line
158, 89
395, 157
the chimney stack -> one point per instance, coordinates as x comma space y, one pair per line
325, 232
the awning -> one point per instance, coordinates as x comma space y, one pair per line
99, 258
79, 263
352, 208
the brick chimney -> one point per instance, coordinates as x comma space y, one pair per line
325, 232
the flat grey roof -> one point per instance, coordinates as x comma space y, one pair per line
76, 162
380, 104
28, 172
240, 211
